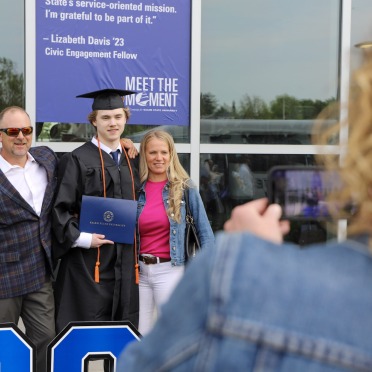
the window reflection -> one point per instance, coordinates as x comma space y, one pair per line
82, 132
294, 132
267, 62
12, 88
228, 180
224, 131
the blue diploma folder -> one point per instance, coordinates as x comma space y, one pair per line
114, 218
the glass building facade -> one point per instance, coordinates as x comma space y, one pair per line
261, 73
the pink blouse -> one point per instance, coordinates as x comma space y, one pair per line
154, 223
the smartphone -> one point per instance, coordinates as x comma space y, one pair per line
302, 191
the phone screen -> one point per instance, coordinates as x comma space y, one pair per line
302, 191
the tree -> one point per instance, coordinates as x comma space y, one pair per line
233, 110
253, 108
223, 112
285, 107
208, 104
11, 85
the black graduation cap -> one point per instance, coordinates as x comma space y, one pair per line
107, 99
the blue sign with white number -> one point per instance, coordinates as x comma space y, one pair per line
81, 342
16, 351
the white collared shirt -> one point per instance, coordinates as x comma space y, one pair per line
30, 181
106, 148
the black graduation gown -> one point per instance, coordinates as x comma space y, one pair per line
78, 297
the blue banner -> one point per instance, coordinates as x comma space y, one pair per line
87, 45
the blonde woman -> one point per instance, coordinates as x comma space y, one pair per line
161, 223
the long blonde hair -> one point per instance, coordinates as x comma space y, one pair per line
355, 169
178, 178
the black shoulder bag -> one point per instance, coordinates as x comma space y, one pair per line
192, 244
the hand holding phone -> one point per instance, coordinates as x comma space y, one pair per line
259, 218
301, 191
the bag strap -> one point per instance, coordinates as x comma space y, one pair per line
189, 217
187, 202
188, 212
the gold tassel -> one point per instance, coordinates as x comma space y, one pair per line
96, 269
136, 266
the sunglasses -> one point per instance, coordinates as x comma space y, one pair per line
14, 132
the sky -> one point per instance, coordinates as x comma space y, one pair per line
261, 48
268, 48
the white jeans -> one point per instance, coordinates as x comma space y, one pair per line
156, 284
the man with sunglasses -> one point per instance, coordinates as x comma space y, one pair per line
27, 188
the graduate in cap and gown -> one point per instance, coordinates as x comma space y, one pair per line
97, 278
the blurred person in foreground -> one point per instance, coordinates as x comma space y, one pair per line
161, 223
27, 188
255, 303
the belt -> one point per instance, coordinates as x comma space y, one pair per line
148, 260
